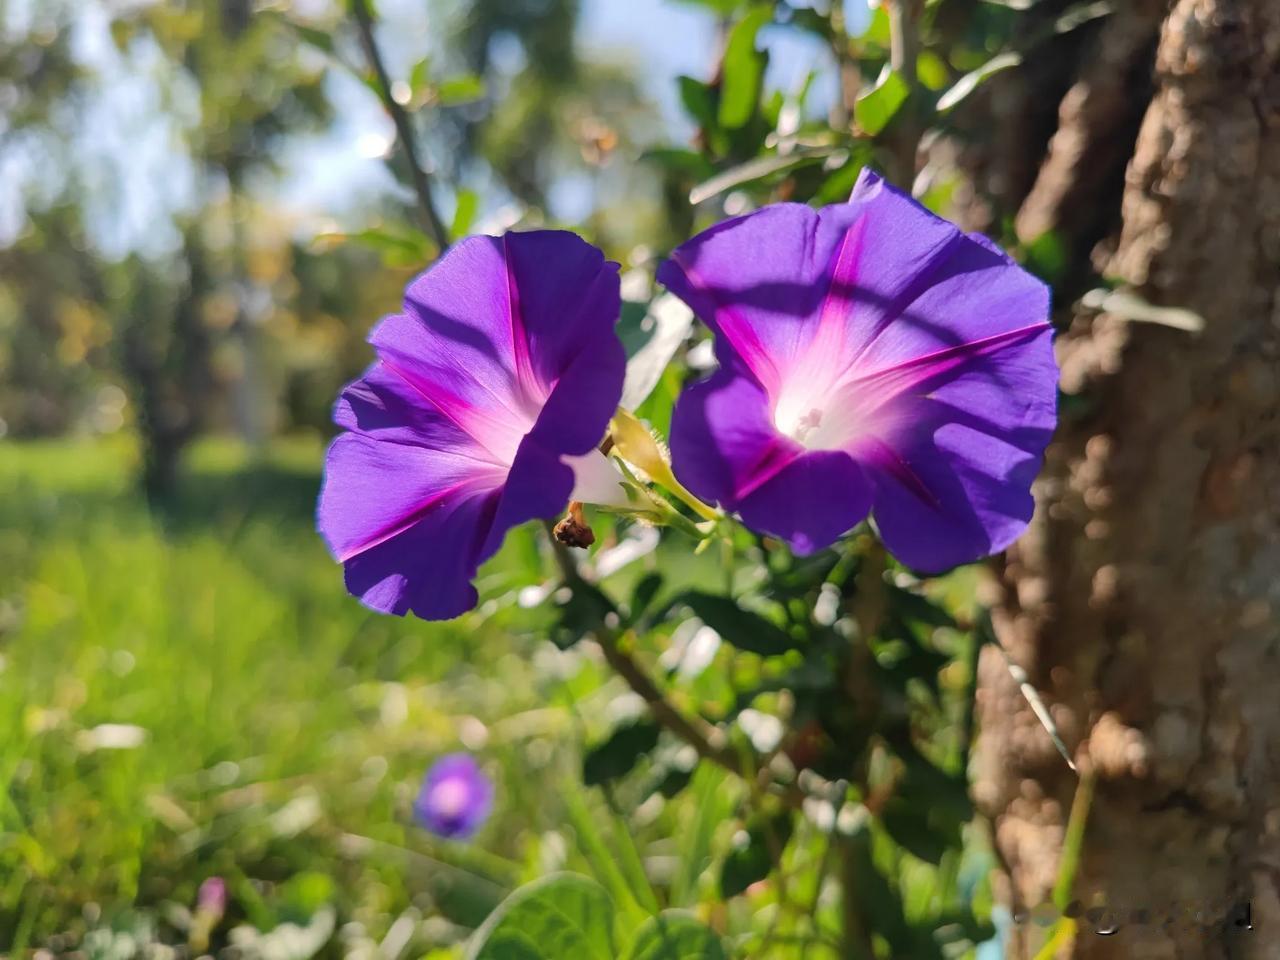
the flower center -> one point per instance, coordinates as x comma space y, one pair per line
807, 424
800, 417
450, 798
820, 415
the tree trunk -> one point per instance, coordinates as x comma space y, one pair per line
1145, 601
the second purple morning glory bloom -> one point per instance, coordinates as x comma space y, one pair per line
484, 408
873, 358
455, 799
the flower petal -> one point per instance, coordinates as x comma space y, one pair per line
895, 247
492, 326
576, 415
504, 362
977, 295
427, 569
725, 449
455, 337
914, 362
810, 502
384, 405
572, 423
975, 445
758, 280
722, 437
568, 295
537, 488
407, 522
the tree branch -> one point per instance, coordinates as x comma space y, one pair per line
404, 130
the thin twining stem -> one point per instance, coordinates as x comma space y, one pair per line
404, 130
704, 738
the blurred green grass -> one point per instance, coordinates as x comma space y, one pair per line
193, 694
266, 727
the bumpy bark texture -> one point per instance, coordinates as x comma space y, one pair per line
1145, 601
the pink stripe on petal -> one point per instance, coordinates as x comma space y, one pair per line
497, 435
898, 378
415, 516
526, 382
735, 328
877, 453
776, 457
833, 320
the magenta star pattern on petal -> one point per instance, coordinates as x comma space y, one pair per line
873, 359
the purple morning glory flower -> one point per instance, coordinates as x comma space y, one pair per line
484, 408
455, 799
873, 358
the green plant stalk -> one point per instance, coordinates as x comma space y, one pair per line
689, 500
1074, 840
602, 859
629, 857
1064, 929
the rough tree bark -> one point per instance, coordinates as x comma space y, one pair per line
1145, 601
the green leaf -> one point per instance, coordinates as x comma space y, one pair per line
699, 101
878, 31
583, 612
643, 595
666, 326
745, 630
669, 781
675, 935
975, 78
558, 916
619, 752
921, 830
420, 76
837, 187
755, 169
461, 89
923, 782
398, 246
932, 70
743, 69
918, 607
715, 794
602, 858
752, 860
875, 108
1047, 257
464, 213
879, 900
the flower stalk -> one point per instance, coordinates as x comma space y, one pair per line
638, 446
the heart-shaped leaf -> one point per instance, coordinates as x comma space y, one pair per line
557, 916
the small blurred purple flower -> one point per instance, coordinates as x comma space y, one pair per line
455, 799
484, 408
873, 358
211, 898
